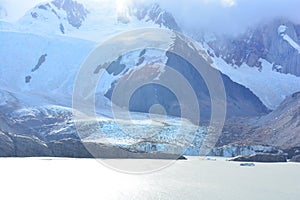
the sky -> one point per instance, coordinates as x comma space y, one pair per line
17, 8
214, 15
231, 15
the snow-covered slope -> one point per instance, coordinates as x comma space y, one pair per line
44, 67
48, 65
39, 64
44, 50
96, 21
90, 20
270, 86
48, 123
282, 32
265, 59
50, 49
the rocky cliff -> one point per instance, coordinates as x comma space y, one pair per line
277, 42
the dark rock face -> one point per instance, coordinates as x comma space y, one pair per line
47, 132
260, 158
237, 96
34, 15
295, 159
62, 28
240, 100
46, 125
76, 13
116, 67
262, 42
43, 7
25, 146
242, 150
22, 146
151, 94
69, 148
6, 146
28, 79
280, 128
50, 132
41, 60
159, 16
111, 152
292, 152
29, 146
283, 124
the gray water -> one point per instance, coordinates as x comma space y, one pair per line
37, 178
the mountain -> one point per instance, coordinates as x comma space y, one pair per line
240, 101
45, 65
44, 50
58, 55
276, 41
264, 58
37, 105
157, 15
49, 130
283, 124
91, 20
51, 65
59, 15
279, 128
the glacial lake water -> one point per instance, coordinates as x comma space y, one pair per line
195, 178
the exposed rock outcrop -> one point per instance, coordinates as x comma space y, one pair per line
295, 159
76, 13
260, 158
12, 145
69, 148
264, 41
158, 15
240, 101
6, 146
291, 152
279, 128
30, 147
243, 150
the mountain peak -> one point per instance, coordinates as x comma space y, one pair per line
76, 12
58, 10
92, 19
158, 15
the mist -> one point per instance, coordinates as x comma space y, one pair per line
228, 16
15, 9
220, 16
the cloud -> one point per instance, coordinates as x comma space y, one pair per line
222, 16
229, 16
17, 8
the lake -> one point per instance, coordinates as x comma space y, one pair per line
196, 178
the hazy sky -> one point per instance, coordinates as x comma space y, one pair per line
218, 15
17, 8
231, 15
